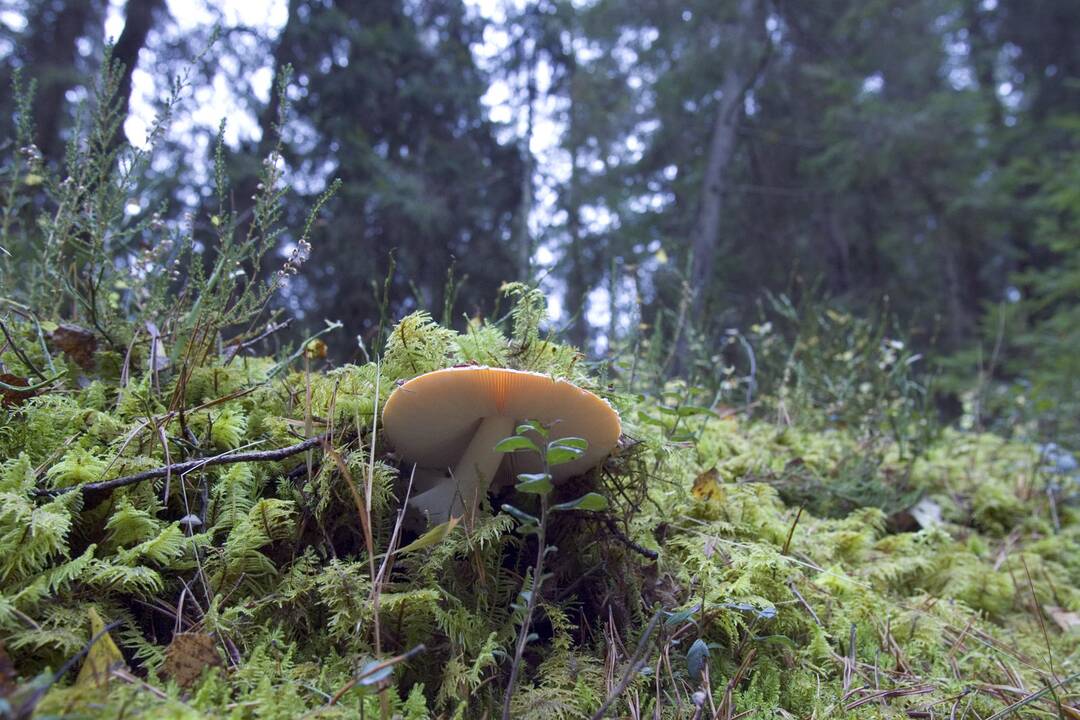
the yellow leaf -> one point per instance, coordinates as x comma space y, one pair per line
707, 486
661, 256
32, 180
433, 536
315, 350
102, 657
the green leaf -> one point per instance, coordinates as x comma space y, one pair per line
529, 477
535, 483
515, 443
372, 674
520, 515
680, 616
433, 536
588, 501
688, 410
562, 455
696, 657
565, 450
533, 426
571, 441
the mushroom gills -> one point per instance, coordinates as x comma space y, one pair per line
460, 494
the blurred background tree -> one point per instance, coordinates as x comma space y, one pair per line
655, 166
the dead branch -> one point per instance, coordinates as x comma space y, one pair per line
183, 467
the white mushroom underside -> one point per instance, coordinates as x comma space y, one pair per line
470, 478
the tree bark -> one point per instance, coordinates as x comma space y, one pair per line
247, 184
577, 276
51, 54
139, 17
523, 236
745, 63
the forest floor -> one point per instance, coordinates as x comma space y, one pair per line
748, 565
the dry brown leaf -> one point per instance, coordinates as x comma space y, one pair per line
188, 655
14, 397
77, 343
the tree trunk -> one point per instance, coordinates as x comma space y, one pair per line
742, 68
983, 56
577, 275
138, 20
53, 30
247, 185
523, 238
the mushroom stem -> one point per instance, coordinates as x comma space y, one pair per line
471, 478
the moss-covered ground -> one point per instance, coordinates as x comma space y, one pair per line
749, 566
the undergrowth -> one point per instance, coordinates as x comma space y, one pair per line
775, 556
268, 559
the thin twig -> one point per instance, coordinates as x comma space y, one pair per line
234, 349
791, 532
530, 606
804, 603
889, 694
618, 534
254, 456
1033, 697
22, 355
631, 669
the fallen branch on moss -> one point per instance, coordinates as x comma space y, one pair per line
189, 465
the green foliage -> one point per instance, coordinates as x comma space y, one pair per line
778, 541
277, 565
417, 345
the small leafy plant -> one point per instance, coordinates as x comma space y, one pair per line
553, 453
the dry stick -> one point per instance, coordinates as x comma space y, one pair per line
394, 536
635, 662
363, 509
726, 705
1046, 637
889, 694
618, 534
791, 532
803, 602
369, 486
254, 456
1033, 697
234, 349
198, 561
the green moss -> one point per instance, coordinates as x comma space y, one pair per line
276, 566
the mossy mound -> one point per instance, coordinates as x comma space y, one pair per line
789, 577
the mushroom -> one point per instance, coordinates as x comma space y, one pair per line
453, 418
